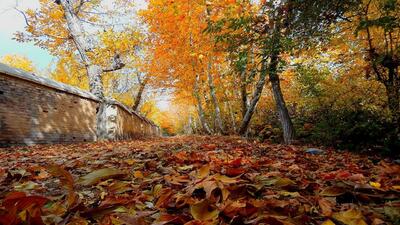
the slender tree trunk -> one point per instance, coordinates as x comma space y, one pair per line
231, 114
286, 122
243, 92
218, 119
200, 110
393, 95
139, 95
189, 129
254, 100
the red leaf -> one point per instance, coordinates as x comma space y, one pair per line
16, 202
234, 171
236, 163
343, 174
23, 203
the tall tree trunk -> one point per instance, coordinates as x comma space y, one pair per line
393, 95
230, 111
94, 72
83, 44
139, 95
254, 100
189, 128
200, 110
218, 119
286, 122
243, 92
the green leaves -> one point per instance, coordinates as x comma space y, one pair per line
387, 23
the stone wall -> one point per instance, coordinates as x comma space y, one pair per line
36, 110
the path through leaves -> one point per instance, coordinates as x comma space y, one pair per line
195, 180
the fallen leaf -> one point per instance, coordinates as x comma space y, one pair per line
67, 182
203, 211
98, 175
375, 184
332, 191
29, 185
138, 174
326, 206
226, 180
328, 222
130, 161
203, 172
283, 182
350, 217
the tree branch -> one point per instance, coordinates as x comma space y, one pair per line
22, 13
81, 3
116, 65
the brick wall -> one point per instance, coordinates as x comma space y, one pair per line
36, 110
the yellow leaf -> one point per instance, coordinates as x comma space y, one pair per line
283, 182
350, 217
157, 190
201, 211
226, 180
396, 187
98, 175
203, 172
375, 184
328, 222
138, 174
130, 161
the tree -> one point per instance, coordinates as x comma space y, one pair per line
20, 62
378, 27
183, 55
59, 26
142, 84
275, 29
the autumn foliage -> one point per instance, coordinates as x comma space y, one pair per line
262, 81
284, 71
195, 180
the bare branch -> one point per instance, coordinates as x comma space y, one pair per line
79, 7
22, 13
116, 65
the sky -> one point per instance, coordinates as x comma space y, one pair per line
11, 22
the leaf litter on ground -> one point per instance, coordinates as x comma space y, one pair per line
195, 180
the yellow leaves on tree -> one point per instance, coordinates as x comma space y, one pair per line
47, 28
179, 46
19, 61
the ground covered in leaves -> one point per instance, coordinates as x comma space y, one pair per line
195, 180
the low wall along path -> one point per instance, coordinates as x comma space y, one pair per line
38, 110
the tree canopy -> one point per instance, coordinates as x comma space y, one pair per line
279, 70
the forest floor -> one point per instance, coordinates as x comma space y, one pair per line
195, 180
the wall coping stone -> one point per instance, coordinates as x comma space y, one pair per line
31, 77
21, 74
